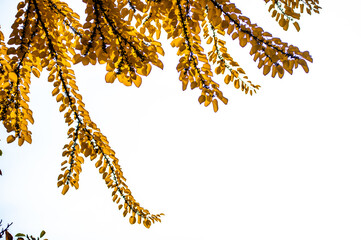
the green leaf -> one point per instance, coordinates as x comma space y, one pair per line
42, 233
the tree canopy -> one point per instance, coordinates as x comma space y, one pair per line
123, 35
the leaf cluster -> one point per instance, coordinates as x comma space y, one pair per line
19, 236
123, 35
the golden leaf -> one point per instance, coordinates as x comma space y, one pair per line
55, 91
98, 163
77, 58
147, 223
266, 69
62, 107
10, 139
13, 76
65, 189
236, 83
224, 100
59, 97
20, 141
132, 220
297, 26
215, 105
110, 77
36, 72
194, 85
243, 42
201, 99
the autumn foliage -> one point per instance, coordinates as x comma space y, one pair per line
123, 34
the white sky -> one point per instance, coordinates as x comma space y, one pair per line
282, 164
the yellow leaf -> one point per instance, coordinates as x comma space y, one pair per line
147, 223
236, 83
36, 72
60, 183
266, 69
160, 50
10, 139
59, 97
28, 138
215, 105
201, 99
85, 61
297, 26
20, 141
146, 70
224, 100
125, 212
62, 107
87, 152
55, 91
280, 71
13, 76
194, 85
304, 65
110, 77
137, 81
227, 79
234, 35
132, 220
65, 189
77, 58
243, 42
176, 42
98, 163
102, 169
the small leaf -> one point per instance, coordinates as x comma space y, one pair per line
65, 189
110, 77
42, 234
194, 85
224, 100
215, 105
132, 220
55, 91
77, 58
98, 163
13, 76
201, 99
36, 72
125, 212
59, 97
10, 139
297, 26
20, 141
137, 81
236, 83
147, 223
